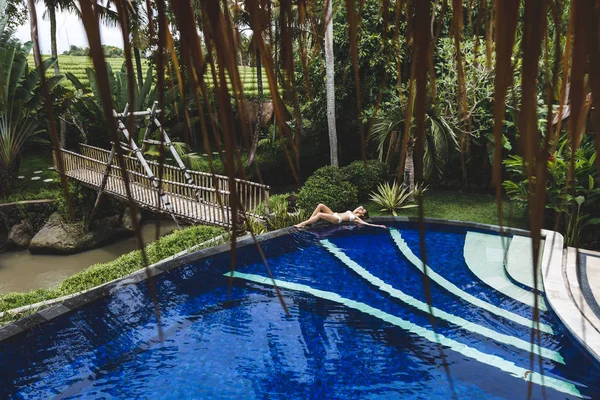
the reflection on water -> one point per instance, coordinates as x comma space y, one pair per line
21, 271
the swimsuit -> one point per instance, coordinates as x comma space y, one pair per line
351, 218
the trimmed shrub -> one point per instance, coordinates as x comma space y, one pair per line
365, 176
327, 185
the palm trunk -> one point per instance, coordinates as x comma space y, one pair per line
33, 30
138, 66
329, 73
54, 50
258, 124
6, 182
409, 170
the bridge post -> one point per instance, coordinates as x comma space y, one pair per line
102, 186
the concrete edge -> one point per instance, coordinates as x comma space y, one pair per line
58, 307
27, 202
563, 293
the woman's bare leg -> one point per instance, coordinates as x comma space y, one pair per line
315, 218
321, 208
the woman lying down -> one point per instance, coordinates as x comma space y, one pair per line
323, 212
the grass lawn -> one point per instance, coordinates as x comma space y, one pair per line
27, 188
464, 207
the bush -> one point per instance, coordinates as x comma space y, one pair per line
273, 163
327, 185
365, 176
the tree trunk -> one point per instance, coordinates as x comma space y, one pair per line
6, 181
54, 51
258, 124
138, 66
409, 169
33, 30
329, 73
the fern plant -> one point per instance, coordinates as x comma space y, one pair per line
392, 198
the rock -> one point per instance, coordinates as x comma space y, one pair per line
127, 222
60, 237
20, 235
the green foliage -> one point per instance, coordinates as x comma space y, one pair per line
87, 107
102, 273
365, 175
392, 198
20, 100
440, 137
378, 57
578, 199
272, 162
82, 201
278, 217
327, 185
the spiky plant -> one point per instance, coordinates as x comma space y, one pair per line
392, 198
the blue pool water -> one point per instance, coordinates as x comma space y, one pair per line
358, 327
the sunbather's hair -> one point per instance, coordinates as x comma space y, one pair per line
366, 216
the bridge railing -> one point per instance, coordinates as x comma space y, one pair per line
89, 167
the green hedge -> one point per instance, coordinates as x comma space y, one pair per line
365, 176
327, 185
101, 273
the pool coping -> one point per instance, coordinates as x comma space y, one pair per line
569, 303
80, 299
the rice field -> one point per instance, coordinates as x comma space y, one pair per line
77, 65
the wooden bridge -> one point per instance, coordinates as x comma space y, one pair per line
196, 197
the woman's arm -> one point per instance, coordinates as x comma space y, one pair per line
361, 222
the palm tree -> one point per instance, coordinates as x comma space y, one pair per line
329, 74
440, 139
51, 7
241, 17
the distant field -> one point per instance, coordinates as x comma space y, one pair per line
77, 66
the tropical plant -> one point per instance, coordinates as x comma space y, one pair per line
392, 198
571, 201
388, 135
87, 108
20, 98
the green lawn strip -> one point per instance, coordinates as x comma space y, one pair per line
463, 207
26, 189
99, 274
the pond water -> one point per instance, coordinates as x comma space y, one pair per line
22, 271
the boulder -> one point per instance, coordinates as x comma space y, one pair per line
60, 237
20, 235
127, 222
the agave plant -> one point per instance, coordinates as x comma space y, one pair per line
392, 197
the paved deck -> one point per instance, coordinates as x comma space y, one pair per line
573, 290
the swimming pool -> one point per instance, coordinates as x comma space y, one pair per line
358, 327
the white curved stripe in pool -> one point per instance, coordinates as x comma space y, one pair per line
484, 256
519, 262
422, 306
455, 290
488, 359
